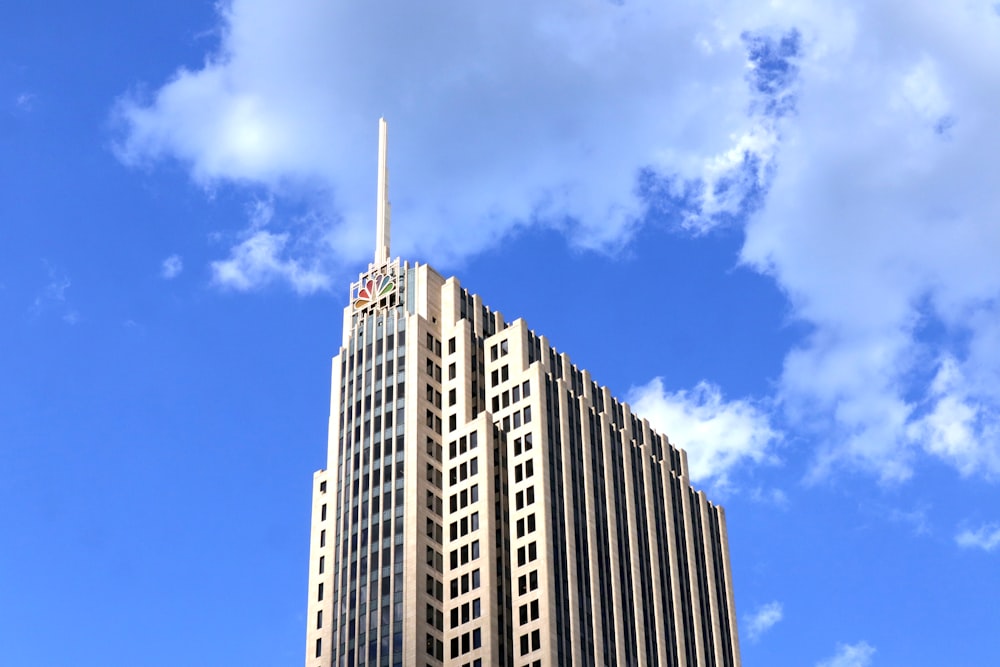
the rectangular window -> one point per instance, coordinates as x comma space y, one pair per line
451, 345
319, 619
322, 513
322, 487
452, 371
319, 592
319, 647
322, 563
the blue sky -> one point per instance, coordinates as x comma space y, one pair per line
772, 227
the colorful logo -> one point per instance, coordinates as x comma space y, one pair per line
373, 288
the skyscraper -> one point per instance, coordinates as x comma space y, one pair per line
486, 502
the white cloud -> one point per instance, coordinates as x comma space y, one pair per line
171, 267
850, 655
880, 226
259, 260
986, 537
860, 159
262, 257
716, 434
502, 115
762, 620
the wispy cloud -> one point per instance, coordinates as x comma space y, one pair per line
25, 101
762, 620
52, 297
916, 519
773, 496
986, 537
850, 655
262, 257
717, 434
171, 267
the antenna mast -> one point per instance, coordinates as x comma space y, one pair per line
382, 208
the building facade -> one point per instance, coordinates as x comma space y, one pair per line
486, 502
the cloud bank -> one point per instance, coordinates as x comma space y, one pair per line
854, 143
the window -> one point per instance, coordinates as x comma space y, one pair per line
504, 373
452, 397
319, 592
452, 371
322, 538
319, 647
319, 619
503, 347
322, 513
451, 345
322, 487
322, 563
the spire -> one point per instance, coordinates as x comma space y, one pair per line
382, 208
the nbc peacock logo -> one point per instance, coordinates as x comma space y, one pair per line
373, 289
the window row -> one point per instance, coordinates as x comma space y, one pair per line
433, 344
526, 525
524, 470
500, 349
435, 560
464, 498
467, 641
527, 554
466, 612
463, 444
509, 397
435, 617
434, 530
524, 498
514, 421
464, 526
463, 471
529, 612
467, 582
531, 641
464, 554
524, 444
435, 648
499, 375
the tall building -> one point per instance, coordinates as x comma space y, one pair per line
487, 503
